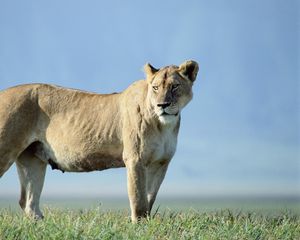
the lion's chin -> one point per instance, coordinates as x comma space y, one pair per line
168, 119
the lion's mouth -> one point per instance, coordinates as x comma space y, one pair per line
168, 114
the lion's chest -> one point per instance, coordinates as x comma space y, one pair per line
163, 146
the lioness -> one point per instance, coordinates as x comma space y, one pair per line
77, 131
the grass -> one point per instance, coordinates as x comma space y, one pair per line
189, 224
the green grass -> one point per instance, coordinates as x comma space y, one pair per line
189, 224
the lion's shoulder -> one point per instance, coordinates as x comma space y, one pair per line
135, 92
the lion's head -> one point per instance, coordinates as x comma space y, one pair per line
170, 89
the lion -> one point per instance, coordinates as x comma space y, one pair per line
78, 131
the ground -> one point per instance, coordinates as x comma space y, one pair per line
97, 223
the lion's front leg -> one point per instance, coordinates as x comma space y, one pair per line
155, 175
136, 184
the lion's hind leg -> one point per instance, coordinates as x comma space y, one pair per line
31, 172
5, 166
8, 155
6, 160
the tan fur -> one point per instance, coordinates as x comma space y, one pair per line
77, 131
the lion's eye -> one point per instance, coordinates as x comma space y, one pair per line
175, 87
155, 88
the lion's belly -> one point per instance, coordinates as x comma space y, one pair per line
93, 162
90, 160
71, 159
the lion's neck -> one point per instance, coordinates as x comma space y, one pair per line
165, 122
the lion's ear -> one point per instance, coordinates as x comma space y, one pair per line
189, 69
150, 70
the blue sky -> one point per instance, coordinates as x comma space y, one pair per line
239, 135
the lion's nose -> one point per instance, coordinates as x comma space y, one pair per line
164, 105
